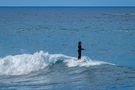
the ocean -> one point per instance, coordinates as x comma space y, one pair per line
38, 48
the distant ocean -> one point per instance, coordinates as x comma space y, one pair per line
38, 48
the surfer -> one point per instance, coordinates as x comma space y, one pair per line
79, 50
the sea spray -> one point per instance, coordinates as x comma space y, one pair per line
27, 63
85, 61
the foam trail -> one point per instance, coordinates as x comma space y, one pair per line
85, 61
27, 63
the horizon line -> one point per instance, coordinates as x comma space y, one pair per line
72, 6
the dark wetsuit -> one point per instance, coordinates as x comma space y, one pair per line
79, 50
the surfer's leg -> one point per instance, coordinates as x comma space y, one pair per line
79, 54
79, 57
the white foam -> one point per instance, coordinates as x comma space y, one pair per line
85, 61
27, 63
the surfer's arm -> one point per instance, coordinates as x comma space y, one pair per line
82, 49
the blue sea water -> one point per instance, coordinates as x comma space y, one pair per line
38, 48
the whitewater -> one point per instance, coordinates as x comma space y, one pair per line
27, 63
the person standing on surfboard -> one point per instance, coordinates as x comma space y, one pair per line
80, 50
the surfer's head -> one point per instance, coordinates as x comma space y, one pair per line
79, 42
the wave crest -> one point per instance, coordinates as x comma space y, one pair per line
27, 63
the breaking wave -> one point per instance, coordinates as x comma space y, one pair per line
27, 63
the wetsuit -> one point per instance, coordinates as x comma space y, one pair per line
79, 51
